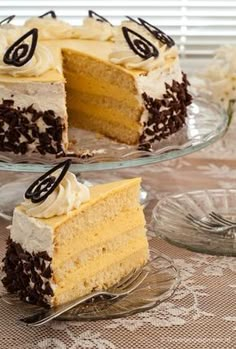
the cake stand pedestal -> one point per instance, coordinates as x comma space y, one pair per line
205, 124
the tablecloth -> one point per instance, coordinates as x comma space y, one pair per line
201, 313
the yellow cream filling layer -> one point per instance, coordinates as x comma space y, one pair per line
112, 129
103, 263
104, 114
103, 279
77, 83
98, 235
78, 260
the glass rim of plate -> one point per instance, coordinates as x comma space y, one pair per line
206, 123
168, 220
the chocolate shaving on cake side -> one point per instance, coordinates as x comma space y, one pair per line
20, 131
167, 115
27, 274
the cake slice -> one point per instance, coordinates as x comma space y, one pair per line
97, 238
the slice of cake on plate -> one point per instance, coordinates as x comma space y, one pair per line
67, 240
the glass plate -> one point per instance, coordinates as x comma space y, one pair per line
159, 285
206, 123
169, 221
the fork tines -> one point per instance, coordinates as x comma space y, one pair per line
218, 218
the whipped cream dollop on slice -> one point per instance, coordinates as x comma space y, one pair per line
93, 29
68, 195
123, 55
50, 28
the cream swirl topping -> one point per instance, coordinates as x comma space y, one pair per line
3, 43
126, 57
95, 30
50, 28
12, 32
41, 62
68, 195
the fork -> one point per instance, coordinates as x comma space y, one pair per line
216, 217
127, 285
218, 224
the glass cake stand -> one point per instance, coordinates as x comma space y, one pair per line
205, 124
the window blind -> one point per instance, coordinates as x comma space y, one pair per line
198, 26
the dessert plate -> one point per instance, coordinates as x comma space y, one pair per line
169, 220
159, 285
205, 124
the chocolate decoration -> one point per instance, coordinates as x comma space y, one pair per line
98, 18
20, 53
133, 20
167, 115
25, 274
140, 45
52, 13
157, 33
16, 121
7, 19
46, 184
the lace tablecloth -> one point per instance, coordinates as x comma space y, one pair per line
202, 312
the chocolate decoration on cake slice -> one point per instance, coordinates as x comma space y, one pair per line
20, 53
140, 45
7, 19
98, 18
51, 13
157, 33
46, 184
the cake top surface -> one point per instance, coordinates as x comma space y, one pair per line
97, 192
135, 45
57, 195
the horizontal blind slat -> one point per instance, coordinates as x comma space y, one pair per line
101, 3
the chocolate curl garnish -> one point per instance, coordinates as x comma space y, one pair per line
51, 13
98, 18
133, 20
140, 45
46, 184
19, 53
157, 33
7, 19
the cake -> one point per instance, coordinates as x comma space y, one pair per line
67, 240
124, 82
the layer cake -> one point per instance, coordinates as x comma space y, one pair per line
124, 82
74, 240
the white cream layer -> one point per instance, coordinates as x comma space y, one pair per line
68, 195
154, 85
42, 61
95, 30
31, 233
123, 55
42, 96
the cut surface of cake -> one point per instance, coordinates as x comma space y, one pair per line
75, 241
124, 82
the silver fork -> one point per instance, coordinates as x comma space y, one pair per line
216, 217
123, 288
218, 224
